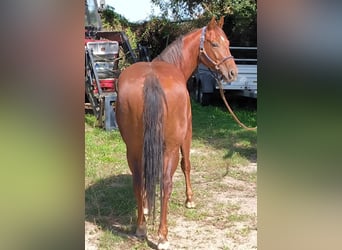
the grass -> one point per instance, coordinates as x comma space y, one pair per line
218, 146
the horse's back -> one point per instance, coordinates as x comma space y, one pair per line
134, 76
131, 101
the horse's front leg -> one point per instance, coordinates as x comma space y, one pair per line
186, 167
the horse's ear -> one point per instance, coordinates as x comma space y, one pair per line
212, 23
221, 22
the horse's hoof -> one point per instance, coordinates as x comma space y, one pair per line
163, 245
190, 204
141, 231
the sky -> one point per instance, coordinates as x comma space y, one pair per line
133, 10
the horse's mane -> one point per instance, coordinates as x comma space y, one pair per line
173, 53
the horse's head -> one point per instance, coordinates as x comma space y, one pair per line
214, 50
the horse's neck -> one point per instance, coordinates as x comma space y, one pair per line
183, 53
191, 44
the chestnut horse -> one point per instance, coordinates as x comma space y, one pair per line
153, 113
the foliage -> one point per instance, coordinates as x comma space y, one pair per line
180, 9
112, 20
240, 22
160, 32
243, 22
156, 34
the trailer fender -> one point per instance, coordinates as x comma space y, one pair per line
207, 83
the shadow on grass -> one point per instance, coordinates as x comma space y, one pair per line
233, 146
110, 204
215, 126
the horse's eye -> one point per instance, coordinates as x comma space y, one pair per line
214, 44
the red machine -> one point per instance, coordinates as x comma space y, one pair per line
102, 64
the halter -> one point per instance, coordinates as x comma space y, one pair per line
203, 52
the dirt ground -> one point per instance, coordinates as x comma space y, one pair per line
210, 232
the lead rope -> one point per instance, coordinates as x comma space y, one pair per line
228, 107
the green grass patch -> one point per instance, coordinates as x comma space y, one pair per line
108, 239
215, 127
195, 214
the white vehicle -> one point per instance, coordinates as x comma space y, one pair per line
204, 84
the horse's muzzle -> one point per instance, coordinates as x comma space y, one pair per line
232, 74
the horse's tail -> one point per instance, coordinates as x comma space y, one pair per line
153, 147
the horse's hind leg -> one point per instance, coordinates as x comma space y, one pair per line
139, 192
186, 167
170, 165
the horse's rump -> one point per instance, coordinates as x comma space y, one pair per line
130, 102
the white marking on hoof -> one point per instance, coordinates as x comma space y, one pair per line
163, 245
190, 204
145, 212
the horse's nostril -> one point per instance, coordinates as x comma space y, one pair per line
232, 72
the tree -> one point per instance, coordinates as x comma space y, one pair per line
113, 20
241, 15
182, 9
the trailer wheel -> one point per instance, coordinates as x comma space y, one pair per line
202, 98
192, 88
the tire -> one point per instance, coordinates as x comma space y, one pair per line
202, 98
192, 88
